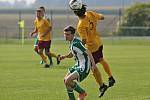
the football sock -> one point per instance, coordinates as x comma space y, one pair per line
50, 59
43, 58
78, 88
71, 94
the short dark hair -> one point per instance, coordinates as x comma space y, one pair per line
70, 28
80, 12
43, 8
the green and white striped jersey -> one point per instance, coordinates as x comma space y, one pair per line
79, 52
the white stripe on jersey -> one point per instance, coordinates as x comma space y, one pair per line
84, 63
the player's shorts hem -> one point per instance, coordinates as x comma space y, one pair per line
78, 76
97, 55
35, 45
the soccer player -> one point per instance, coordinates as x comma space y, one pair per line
82, 67
43, 28
36, 38
36, 41
51, 53
86, 29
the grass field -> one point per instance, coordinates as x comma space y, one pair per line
23, 78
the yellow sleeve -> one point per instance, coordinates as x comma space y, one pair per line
98, 16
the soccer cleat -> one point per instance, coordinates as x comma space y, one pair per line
102, 90
111, 81
58, 61
46, 66
41, 62
82, 96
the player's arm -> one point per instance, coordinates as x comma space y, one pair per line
34, 31
49, 24
102, 17
93, 67
83, 34
98, 16
69, 55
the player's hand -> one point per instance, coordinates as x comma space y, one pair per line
43, 35
31, 34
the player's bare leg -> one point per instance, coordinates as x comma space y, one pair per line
98, 78
108, 71
43, 58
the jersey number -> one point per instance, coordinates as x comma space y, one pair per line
91, 25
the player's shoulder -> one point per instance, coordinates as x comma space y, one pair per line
76, 42
47, 18
91, 13
35, 21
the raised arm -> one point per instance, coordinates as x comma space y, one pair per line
69, 55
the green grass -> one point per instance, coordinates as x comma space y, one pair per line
23, 78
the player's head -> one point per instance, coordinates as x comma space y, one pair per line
69, 32
78, 7
39, 13
80, 12
43, 10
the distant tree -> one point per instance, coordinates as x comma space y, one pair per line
136, 16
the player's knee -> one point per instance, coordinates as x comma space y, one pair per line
47, 53
40, 52
101, 60
66, 81
36, 49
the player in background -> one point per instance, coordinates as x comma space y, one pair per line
86, 29
51, 53
82, 67
36, 41
43, 28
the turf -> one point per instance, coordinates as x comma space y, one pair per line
23, 78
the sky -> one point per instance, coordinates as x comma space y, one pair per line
12, 1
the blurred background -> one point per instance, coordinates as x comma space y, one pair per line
12, 12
